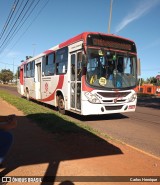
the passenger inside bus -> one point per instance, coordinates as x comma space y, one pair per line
111, 67
120, 65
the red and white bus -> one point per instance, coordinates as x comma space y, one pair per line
91, 73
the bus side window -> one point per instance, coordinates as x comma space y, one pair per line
28, 70
25, 70
62, 61
32, 68
48, 66
18, 73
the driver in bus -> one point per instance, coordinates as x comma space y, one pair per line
120, 65
110, 68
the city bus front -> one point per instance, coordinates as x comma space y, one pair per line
111, 75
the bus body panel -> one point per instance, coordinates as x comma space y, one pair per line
29, 87
20, 88
46, 88
110, 102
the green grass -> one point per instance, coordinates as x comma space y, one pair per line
46, 118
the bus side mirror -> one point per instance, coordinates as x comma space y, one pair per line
138, 67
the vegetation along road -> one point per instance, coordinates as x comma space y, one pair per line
140, 129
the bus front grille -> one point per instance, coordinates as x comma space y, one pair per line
117, 107
113, 94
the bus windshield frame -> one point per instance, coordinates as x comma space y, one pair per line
111, 67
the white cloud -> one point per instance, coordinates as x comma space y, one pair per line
142, 8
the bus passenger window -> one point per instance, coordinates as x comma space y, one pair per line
62, 61
49, 65
25, 70
18, 73
28, 70
32, 68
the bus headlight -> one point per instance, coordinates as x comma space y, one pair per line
91, 97
132, 98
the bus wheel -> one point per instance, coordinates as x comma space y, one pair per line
61, 104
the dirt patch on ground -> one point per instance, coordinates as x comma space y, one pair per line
38, 153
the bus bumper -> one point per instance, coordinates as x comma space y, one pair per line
99, 109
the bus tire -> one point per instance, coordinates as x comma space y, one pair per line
61, 104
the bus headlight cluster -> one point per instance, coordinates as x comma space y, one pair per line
91, 97
132, 98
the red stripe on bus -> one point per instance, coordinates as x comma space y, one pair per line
48, 52
84, 85
73, 40
59, 86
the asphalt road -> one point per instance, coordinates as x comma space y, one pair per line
10, 89
140, 129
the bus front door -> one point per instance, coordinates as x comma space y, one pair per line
38, 81
75, 87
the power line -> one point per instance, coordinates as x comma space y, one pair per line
35, 17
15, 15
9, 18
20, 24
14, 23
16, 28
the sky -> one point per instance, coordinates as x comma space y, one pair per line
55, 21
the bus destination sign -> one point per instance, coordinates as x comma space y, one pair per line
109, 42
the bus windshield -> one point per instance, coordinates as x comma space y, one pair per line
109, 69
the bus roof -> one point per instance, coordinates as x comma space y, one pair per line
74, 39
84, 35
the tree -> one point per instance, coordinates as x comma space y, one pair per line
152, 80
16, 75
6, 75
141, 81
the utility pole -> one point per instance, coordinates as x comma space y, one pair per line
13, 66
110, 16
